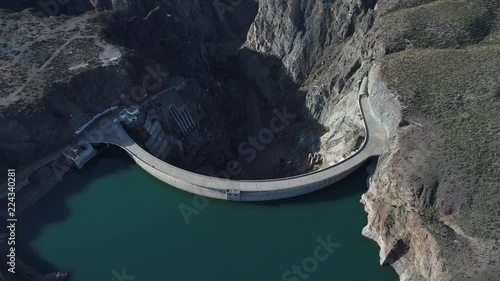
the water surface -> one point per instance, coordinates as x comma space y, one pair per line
112, 216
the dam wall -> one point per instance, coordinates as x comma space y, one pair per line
256, 190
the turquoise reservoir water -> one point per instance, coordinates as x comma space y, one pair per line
113, 222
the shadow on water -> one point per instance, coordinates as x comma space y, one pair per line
53, 208
353, 184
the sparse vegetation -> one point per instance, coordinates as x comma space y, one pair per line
31, 49
439, 24
443, 63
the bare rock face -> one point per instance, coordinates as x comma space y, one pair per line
302, 32
323, 49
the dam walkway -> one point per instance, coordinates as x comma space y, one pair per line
253, 190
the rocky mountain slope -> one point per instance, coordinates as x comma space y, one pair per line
433, 69
433, 202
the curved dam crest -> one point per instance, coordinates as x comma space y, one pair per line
253, 190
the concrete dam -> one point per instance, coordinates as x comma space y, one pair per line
253, 190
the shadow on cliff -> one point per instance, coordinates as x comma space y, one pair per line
278, 92
185, 34
354, 184
53, 208
204, 44
400, 248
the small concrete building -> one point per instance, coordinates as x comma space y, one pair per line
129, 114
158, 143
233, 195
79, 154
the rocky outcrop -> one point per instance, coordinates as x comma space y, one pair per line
324, 49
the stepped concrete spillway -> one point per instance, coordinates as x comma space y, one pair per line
254, 190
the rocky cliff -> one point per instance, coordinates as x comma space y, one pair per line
433, 71
433, 200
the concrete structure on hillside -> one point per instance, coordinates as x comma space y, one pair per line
79, 154
130, 114
151, 121
174, 107
314, 159
257, 190
182, 118
158, 143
